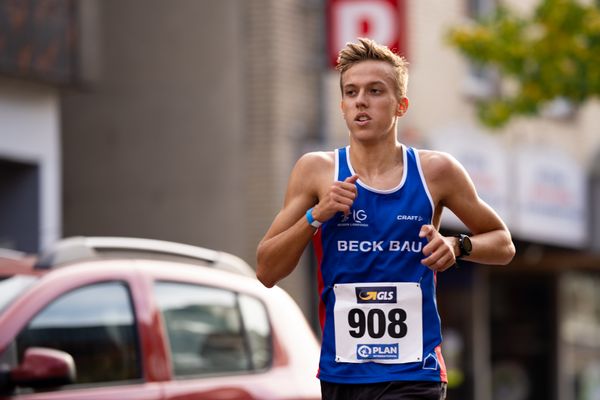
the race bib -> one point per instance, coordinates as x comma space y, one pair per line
378, 322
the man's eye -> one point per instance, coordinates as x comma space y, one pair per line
376, 91
350, 92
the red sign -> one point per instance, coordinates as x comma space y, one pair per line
381, 20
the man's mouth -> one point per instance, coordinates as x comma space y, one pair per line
362, 117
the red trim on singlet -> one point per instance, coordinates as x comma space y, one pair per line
318, 247
440, 357
438, 349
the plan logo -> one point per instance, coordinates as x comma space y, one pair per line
376, 294
377, 351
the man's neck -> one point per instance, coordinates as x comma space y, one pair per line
374, 160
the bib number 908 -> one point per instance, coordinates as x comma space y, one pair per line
377, 324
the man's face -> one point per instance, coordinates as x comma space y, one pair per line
369, 101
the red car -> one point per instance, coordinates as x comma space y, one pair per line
122, 318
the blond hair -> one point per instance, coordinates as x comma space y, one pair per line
367, 49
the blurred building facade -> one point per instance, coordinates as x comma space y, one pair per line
181, 121
35, 59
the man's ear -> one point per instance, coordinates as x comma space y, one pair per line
402, 106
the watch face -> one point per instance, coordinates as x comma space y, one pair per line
466, 243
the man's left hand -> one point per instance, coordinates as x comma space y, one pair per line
439, 251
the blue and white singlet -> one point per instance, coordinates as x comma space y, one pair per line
377, 308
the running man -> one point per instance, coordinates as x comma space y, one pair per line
372, 210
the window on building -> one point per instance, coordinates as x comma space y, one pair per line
95, 324
213, 330
480, 8
481, 82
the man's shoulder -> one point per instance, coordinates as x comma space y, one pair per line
312, 172
316, 160
433, 159
439, 165
314, 168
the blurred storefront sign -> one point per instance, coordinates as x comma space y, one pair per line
488, 167
380, 20
540, 192
551, 197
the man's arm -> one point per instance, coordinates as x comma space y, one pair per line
451, 187
310, 183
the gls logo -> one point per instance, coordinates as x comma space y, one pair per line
357, 216
376, 294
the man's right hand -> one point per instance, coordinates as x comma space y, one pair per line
339, 198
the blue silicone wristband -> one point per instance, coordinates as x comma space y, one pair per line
311, 221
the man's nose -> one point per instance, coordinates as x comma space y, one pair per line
361, 99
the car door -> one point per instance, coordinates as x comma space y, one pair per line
95, 324
217, 350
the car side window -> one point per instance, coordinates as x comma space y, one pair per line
95, 324
208, 331
258, 330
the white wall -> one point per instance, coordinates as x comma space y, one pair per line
29, 133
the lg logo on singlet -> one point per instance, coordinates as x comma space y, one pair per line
357, 216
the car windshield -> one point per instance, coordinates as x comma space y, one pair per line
12, 286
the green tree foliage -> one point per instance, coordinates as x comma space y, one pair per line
553, 53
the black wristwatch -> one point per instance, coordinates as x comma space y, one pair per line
464, 245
